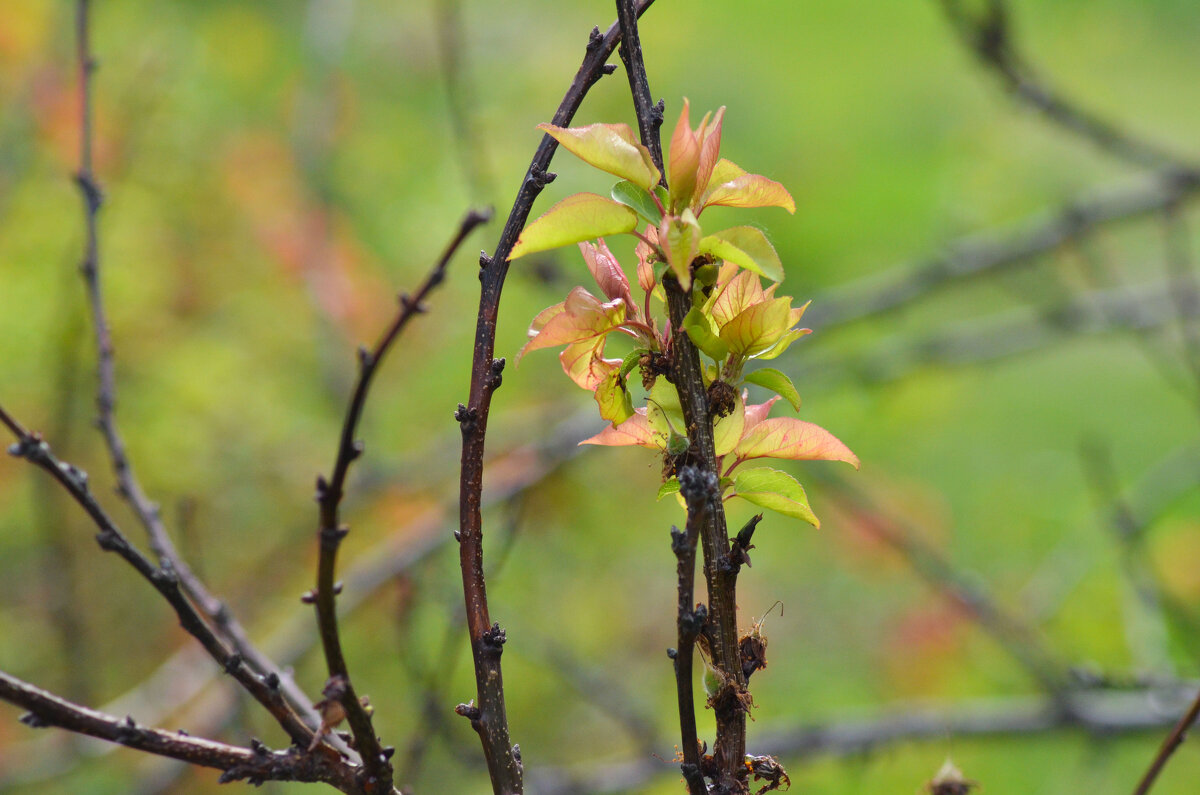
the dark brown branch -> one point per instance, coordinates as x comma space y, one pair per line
255, 764
329, 497
128, 486
1172, 741
729, 703
989, 35
699, 490
488, 714
264, 689
976, 255
649, 115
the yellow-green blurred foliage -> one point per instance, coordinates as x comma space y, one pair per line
276, 171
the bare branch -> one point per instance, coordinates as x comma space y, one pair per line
329, 497
128, 486
488, 714
989, 35
976, 255
1173, 741
649, 115
255, 764
265, 689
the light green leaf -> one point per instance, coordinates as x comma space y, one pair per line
609, 147
777, 382
613, 399
704, 335
638, 199
758, 327
727, 430
583, 216
680, 238
775, 490
747, 247
670, 487
631, 360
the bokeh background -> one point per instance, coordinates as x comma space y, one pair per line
276, 171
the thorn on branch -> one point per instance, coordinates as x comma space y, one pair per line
108, 540
258, 747
322, 488
365, 358
92, 194
33, 720
308, 597
233, 663
357, 448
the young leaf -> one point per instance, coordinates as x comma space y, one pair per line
584, 364
670, 487
609, 147
613, 399
582, 317
747, 247
778, 491
634, 431
632, 360
582, 216
758, 327
777, 382
638, 199
731, 186
785, 437
700, 329
607, 273
728, 430
680, 239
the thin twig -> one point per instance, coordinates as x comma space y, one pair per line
265, 689
649, 115
488, 714
1022, 642
128, 486
989, 35
255, 764
1173, 741
331, 532
973, 256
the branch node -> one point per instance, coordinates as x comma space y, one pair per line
672, 652
233, 663
493, 640
495, 377
259, 748
465, 416
322, 488
608, 69
271, 680
92, 195
387, 752
469, 711
365, 358
308, 597
357, 448
484, 260
595, 40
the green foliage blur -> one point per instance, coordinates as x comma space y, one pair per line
275, 172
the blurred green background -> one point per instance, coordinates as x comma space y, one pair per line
275, 172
